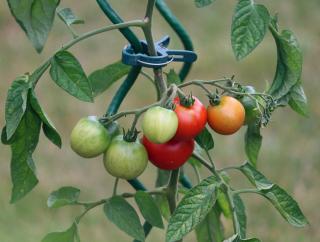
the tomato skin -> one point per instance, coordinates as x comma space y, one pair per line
171, 155
227, 117
192, 120
159, 124
126, 160
89, 138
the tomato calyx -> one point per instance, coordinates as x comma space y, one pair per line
214, 99
130, 135
186, 101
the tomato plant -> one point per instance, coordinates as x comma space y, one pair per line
192, 118
227, 116
170, 138
126, 160
89, 138
170, 155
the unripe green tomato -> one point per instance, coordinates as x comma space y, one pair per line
126, 160
89, 138
250, 106
159, 124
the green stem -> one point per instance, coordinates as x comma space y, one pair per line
203, 162
172, 189
235, 223
247, 191
114, 193
228, 168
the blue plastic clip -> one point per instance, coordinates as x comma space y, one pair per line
163, 58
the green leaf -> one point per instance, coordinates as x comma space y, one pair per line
16, 103
63, 196
224, 203
68, 74
289, 64
35, 17
203, 3
286, 205
103, 78
205, 140
149, 209
240, 213
210, 230
123, 215
253, 142
23, 172
298, 100
236, 238
4, 139
68, 17
70, 235
173, 77
255, 177
192, 209
48, 127
249, 26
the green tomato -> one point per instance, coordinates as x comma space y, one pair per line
250, 106
159, 125
89, 138
126, 160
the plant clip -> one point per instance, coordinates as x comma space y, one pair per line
163, 58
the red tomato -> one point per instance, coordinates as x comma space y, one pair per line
170, 155
191, 120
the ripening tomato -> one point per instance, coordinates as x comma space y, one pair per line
227, 117
191, 120
89, 138
171, 155
126, 160
159, 124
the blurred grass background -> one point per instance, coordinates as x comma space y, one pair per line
290, 155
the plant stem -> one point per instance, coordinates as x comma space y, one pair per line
115, 187
247, 191
172, 189
228, 168
147, 30
203, 161
235, 223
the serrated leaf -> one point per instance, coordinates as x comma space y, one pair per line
298, 100
289, 64
67, 73
203, 3
23, 172
48, 127
236, 238
63, 196
103, 78
205, 140
210, 230
16, 103
240, 213
35, 17
249, 26
286, 205
149, 209
70, 235
68, 17
123, 215
192, 209
173, 77
253, 142
255, 177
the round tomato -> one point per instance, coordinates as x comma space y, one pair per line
171, 155
89, 138
227, 117
126, 160
250, 106
191, 120
159, 125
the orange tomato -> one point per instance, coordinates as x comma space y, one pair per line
227, 117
